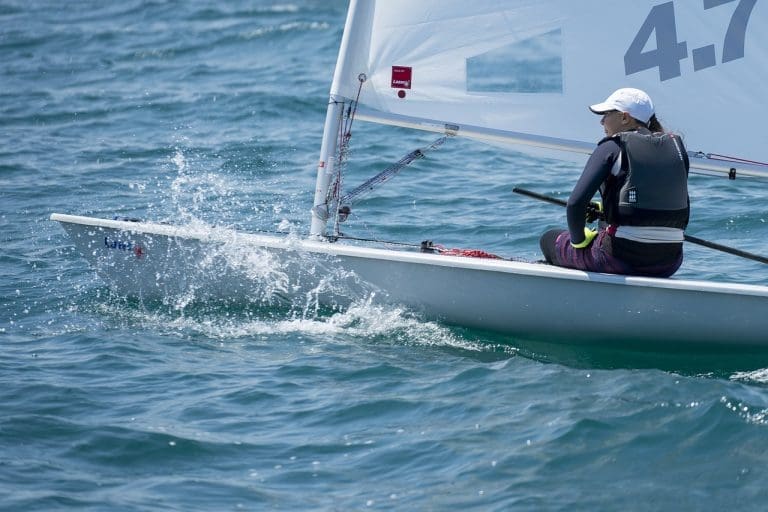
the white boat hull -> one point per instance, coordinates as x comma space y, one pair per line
525, 300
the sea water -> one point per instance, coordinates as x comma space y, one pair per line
211, 113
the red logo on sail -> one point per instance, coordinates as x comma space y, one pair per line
401, 77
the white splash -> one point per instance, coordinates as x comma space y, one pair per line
757, 376
179, 161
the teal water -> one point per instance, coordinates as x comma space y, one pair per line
212, 112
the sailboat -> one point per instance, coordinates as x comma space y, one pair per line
452, 67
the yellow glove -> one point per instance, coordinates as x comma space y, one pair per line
589, 235
594, 211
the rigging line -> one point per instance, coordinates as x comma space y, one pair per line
726, 158
351, 116
346, 130
688, 238
345, 134
391, 171
359, 239
331, 238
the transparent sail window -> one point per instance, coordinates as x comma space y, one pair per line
533, 65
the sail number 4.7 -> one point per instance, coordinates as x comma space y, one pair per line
669, 51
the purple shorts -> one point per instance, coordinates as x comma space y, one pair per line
596, 259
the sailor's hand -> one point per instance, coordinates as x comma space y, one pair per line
594, 211
589, 235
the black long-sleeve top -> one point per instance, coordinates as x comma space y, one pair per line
595, 172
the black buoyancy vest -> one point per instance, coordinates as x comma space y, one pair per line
652, 189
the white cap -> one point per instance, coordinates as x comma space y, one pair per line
632, 101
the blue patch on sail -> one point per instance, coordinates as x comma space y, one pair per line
529, 66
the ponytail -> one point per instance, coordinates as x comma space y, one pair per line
654, 125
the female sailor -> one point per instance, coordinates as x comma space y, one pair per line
641, 173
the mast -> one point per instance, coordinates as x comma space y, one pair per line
353, 32
326, 167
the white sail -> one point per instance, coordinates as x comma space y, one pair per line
530, 68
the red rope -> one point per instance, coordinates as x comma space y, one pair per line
469, 253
